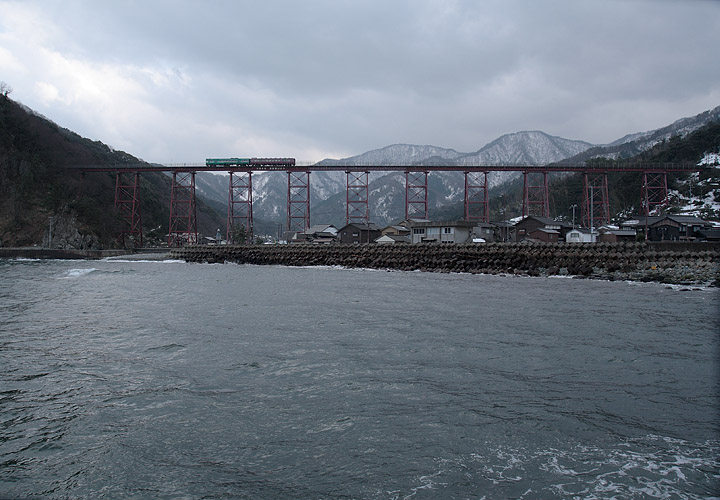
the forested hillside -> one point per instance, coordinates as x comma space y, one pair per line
625, 188
38, 184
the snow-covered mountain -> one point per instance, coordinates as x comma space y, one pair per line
681, 127
634, 144
524, 148
396, 154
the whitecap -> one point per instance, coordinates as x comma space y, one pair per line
143, 261
75, 273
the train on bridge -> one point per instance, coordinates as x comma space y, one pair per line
259, 162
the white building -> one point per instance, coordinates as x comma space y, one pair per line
580, 235
441, 232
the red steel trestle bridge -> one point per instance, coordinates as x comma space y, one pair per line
183, 215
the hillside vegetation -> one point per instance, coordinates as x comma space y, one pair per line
625, 188
37, 183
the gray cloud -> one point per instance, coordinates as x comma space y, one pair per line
182, 80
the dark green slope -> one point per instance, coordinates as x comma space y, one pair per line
37, 182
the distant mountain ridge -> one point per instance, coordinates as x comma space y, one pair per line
395, 154
525, 148
680, 127
519, 148
637, 143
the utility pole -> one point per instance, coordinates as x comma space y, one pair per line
592, 222
573, 207
50, 233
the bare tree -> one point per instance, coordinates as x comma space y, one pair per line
5, 89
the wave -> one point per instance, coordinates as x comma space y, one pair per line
648, 467
143, 261
76, 273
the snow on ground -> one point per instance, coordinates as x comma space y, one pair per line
710, 159
697, 197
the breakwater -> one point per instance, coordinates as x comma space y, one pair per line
695, 263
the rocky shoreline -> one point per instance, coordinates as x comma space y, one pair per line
677, 264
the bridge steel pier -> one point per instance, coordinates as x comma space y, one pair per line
536, 198
477, 200
654, 191
127, 205
183, 212
416, 194
298, 200
240, 213
357, 200
595, 204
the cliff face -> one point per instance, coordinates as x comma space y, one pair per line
38, 187
34, 153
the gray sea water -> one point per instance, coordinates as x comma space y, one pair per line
171, 380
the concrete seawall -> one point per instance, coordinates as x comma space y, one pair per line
70, 253
695, 263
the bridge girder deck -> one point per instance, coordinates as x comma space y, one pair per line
633, 167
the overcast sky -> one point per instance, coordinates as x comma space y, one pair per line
175, 81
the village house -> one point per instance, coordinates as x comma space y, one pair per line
544, 235
712, 234
529, 224
484, 232
580, 235
358, 233
396, 230
318, 234
408, 222
676, 228
667, 227
321, 234
617, 235
322, 229
441, 232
